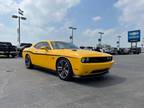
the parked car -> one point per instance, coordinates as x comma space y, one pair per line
107, 50
98, 49
66, 59
136, 50
123, 51
114, 51
21, 47
7, 49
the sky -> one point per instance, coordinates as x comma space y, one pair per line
50, 20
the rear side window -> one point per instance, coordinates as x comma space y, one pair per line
38, 45
41, 44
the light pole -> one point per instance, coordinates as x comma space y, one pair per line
100, 39
19, 17
118, 42
72, 28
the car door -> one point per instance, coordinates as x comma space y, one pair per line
40, 56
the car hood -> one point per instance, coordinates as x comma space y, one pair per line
80, 53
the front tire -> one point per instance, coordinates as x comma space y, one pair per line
64, 69
28, 62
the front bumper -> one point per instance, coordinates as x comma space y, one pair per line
12, 52
93, 68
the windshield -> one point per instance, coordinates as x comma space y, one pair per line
63, 45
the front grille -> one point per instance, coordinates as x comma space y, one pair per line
99, 59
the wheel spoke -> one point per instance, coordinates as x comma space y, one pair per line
66, 72
63, 74
66, 65
59, 68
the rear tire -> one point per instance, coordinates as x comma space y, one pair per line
64, 69
28, 62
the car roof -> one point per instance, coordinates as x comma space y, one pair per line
50, 41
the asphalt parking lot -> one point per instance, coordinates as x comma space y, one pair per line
123, 87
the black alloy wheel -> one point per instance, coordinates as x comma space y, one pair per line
28, 62
64, 69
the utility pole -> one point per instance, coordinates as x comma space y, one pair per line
72, 28
100, 39
19, 17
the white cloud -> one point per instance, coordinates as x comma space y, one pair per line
7, 34
96, 18
47, 11
46, 19
109, 36
94, 32
132, 11
7, 6
131, 17
92, 35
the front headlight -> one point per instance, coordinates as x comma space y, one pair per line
85, 60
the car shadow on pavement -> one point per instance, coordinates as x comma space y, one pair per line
103, 81
5, 57
44, 70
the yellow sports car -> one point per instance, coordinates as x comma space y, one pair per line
66, 59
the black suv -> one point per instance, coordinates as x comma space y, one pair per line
6, 48
21, 47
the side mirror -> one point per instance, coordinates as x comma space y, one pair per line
44, 48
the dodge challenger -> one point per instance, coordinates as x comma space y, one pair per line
66, 59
